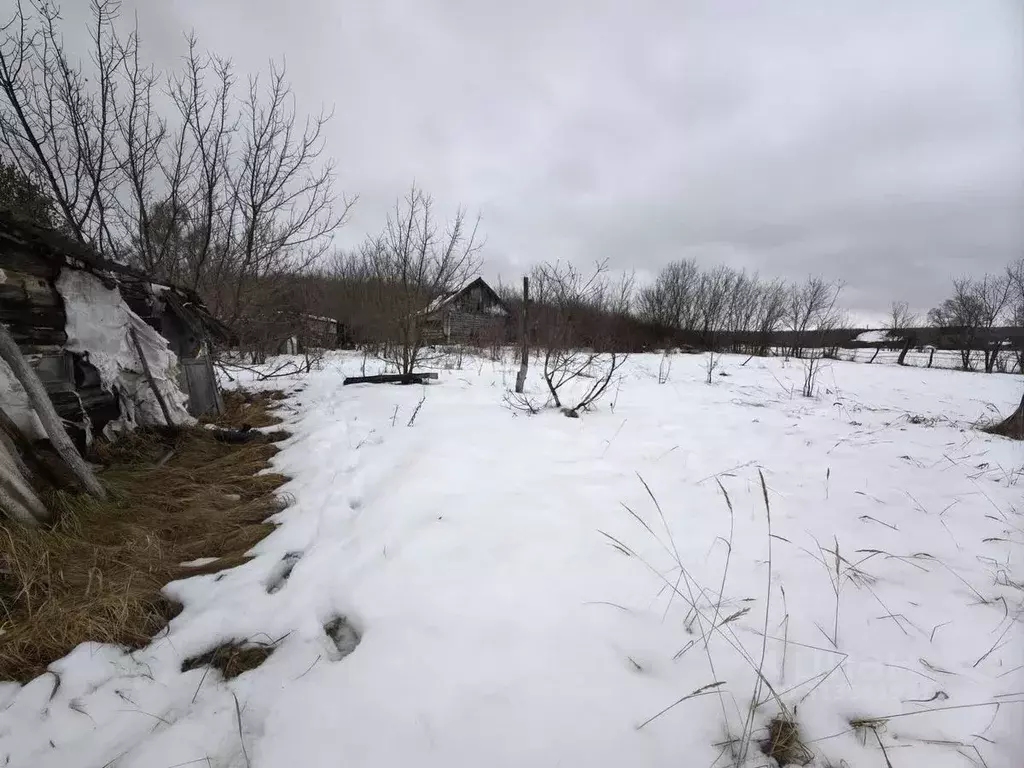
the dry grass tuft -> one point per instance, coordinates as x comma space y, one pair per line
244, 409
231, 658
97, 574
784, 745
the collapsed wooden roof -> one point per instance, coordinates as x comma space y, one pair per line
32, 250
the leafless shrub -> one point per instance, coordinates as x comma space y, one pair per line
578, 310
312, 359
416, 410
812, 367
522, 402
664, 367
710, 364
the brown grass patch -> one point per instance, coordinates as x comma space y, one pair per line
784, 745
97, 574
249, 409
231, 658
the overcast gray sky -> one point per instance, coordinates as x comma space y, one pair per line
876, 141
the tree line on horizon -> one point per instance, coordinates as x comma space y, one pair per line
213, 180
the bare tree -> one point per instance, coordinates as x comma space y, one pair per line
960, 313
770, 314
900, 321
21, 194
900, 317
224, 193
715, 292
722, 303
58, 121
744, 303
974, 305
672, 300
812, 307
1015, 273
412, 265
994, 293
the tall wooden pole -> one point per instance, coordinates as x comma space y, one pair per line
524, 334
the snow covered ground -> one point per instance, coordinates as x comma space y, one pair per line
533, 590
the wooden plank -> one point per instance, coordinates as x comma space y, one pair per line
32, 338
397, 378
24, 287
15, 316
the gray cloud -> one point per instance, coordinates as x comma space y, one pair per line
876, 141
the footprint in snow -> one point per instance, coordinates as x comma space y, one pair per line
279, 575
343, 635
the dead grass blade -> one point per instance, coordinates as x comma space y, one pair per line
702, 691
238, 720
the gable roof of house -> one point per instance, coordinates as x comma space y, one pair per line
446, 299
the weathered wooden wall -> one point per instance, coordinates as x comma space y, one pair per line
29, 303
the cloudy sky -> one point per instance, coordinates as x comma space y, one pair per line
876, 141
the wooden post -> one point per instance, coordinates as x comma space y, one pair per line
150, 379
931, 356
40, 401
524, 332
903, 352
874, 355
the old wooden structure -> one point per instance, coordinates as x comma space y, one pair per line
302, 332
31, 306
472, 314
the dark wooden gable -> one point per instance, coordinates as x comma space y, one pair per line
476, 296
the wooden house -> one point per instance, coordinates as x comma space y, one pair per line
306, 332
473, 314
37, 269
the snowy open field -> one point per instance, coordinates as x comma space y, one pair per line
531, 590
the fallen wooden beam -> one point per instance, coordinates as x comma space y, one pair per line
391, 378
